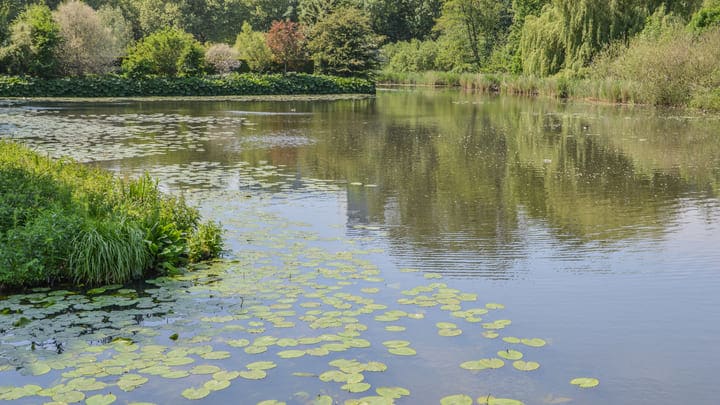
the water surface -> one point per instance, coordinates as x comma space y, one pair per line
596, 227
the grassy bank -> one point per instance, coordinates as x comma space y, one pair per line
62, 222
611, 90
228, 85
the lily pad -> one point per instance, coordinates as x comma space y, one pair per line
457, 399
491, 400
534, 342
585, 382
526, 365
69, 397
291, 354
356, 387
129, 382
101, 399
196, 393
402, 351
392, 392
261, 365
253, 374
510, 354
205, 369
482, 364
216, 385
449, 332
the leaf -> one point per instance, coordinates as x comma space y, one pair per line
457, 399
216, 385
534, 342
205, 369
402, 351
392, 392
510, 354
585, 382
196, 393
491, 400
356, 387
101, 399
526, 365
261, 365
253, 374
482, 364
291, 354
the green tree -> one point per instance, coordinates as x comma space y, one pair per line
252, 49
481, 23
168, 52
343, 43
34, 41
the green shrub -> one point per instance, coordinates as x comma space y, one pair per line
230, 85
64, 222
34, 41
168, 52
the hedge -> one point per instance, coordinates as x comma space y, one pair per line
230, 85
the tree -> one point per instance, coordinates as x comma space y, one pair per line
34, 41
344, 44
287, 43
481, 22
222, 58
168, 52
253, 49
88, 46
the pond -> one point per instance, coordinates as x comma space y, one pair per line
399, 249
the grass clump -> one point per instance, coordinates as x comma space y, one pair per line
64, 222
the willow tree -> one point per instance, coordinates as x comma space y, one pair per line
582, 28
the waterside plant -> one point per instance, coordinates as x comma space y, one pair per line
62, 222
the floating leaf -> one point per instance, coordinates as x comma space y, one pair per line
226, 375
69, 397
490, 334
491, 400
205, 369
396, 343
526, 365
494, 305
291, 354
238, 342
38, 369
323, 400
375, 366
511, 339
196, 393
261, 365
219, 355
101, 399
585, 382
356, 387
446, 325
253, 374
271, 402
510, 354
402, 351
534, 342
457, 399
217, 385
129, 382
482, 364
392, 392
449, 332
394, 328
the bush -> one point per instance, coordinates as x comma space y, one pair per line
410, 56
221, 58
287, 44
65, 222
168, 52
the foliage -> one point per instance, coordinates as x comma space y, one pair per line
230, 85
707, 16
206, 243
481, 23
410, 56
65, 222
287, 44
253, 49
221, 58
88, 45
168, 52
344, 44
34, 41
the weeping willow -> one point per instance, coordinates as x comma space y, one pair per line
568, 33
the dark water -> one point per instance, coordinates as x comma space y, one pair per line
596, 226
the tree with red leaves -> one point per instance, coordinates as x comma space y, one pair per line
287, 43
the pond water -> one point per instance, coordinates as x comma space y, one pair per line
380, 247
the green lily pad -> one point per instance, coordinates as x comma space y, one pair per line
534, 342
323, 400
396, 343
395, 328
291, 354
490, 334
402, 351
494, 305
511, 339
392, 392
238, 342
457, 399
226, 375
375, 366
253, 349
129, 382
510, 354
491, 400
585, 382
356, 387
446, 325
526, 365
261, 365
69, 397
38, 369
271, 402
253, 374
219, 355
216, 385
101, 399
482, 364
175, 374
205, 369
449, 332
196, 393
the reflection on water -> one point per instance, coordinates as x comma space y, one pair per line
597, 224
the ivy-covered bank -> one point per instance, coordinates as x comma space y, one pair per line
237, 84
63, 222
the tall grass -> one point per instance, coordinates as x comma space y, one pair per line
64, 222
